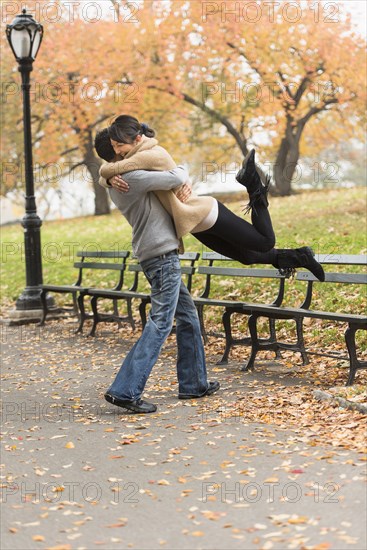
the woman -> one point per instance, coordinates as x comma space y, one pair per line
207, 219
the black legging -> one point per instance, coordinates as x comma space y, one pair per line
236, 238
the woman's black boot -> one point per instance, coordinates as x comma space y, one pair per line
249, 177
289, 259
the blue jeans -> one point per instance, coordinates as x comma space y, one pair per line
170, 299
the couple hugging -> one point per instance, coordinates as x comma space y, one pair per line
129, 146
155, 197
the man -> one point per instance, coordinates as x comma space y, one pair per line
155, 244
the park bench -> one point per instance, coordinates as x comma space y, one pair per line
353, 321
230, 305
129, 294
112, 260
275, 310
115, 294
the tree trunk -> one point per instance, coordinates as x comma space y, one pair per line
101, 197
286, 164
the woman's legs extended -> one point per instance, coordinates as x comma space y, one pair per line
247, 257
254, 244
235, 237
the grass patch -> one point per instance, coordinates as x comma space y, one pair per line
331, 221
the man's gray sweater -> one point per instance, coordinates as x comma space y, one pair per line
153, 229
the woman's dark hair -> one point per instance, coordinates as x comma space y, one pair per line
125, 129
103, 146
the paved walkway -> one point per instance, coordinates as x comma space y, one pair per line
79, 474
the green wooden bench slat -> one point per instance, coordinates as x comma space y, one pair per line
215, 256
342, 259
62, 288
239, 272
103, 254
188, 270
101, 265
135, 267
189, 256
291, 312
115, 293
347, 278
220, 302
356, 278
185, 269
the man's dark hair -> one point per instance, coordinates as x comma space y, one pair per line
102, 145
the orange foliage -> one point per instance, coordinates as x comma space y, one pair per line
265, 74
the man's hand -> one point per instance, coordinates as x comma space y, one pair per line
119, 184
183, 193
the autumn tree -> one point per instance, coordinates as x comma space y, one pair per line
79, 83
264, 74
215, 78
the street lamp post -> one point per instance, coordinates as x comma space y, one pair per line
24, 35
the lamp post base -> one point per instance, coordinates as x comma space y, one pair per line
28, 308
17, 317
22, 317
30, 299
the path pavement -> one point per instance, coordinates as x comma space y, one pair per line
77, 473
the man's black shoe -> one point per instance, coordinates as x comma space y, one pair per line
137, 406
213, 387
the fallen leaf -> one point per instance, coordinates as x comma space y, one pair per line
298, 519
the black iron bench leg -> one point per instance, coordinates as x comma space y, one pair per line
354, 363
116, 313
75, 304
130, 313
252, 325
200, 310
143, 312
81, 312
44, 307
226, 319
273, 336
301, 341
94, 305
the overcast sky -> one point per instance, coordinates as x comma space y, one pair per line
359, 13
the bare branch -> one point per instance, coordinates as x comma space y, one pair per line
67, 151
241, 53
240, 140
100, 119
313, 111
286, 87
81, 163
301, 89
